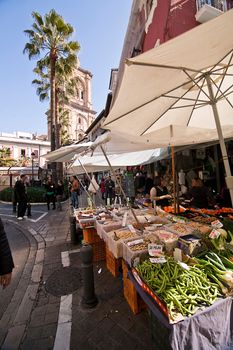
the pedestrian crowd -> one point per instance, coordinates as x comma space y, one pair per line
21, 201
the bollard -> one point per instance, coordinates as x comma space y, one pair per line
89, 299
73, 234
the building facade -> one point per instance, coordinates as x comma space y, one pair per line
153, 22
79, 109
22, 146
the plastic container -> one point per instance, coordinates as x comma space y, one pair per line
180, 229
135, 247
116, 246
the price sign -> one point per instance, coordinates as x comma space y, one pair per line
155, 249
214, 234
216, 224
124, 219
137, 241
160, 260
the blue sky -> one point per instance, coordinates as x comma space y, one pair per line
100, 27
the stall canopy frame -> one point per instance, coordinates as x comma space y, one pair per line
188, 83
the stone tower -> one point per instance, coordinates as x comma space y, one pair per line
81, 114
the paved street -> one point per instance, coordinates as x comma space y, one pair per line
20, 249
38, 212
41, 309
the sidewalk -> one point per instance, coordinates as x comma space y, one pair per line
46, 319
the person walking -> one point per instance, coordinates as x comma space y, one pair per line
102, 188
59, 194
6, 260
75, 191
110, 189
21, 196
50, 193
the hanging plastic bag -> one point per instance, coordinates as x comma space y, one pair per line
93, 187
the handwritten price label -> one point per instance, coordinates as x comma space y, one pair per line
155, 249
160, 260
214, 234
216, 224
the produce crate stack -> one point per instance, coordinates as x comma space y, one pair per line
134, 300
113, 264
90, 235
99, 248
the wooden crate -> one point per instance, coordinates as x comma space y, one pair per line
133, 298
99, 251
112, 263
90, 235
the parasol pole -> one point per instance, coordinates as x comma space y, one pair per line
229, 177
174, 177
119, 184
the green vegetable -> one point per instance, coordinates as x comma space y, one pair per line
182, 290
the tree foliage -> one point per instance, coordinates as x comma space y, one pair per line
50, 42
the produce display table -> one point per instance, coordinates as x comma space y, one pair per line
209, 329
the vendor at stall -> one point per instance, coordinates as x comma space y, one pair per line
159, 193
199, 195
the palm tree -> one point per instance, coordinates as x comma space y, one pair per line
49, 38
65, 87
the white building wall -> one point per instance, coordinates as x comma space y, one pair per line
16, 144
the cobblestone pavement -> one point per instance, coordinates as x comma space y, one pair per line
35, 318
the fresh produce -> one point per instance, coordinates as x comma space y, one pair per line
219, 269
183, 289
124, 234
181, 229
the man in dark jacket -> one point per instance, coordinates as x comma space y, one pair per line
110, 189
6, 261
21, 196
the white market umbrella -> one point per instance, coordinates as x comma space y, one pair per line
186, 83
99, 163
66, 153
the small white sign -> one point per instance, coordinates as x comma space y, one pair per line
160, 260
155, 249
137, 241
124, 219
216, 224
214, 234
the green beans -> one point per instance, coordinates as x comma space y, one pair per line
182, 290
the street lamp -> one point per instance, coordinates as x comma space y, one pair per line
33, 156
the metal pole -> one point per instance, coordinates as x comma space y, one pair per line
89, 299
174, 178
220, 134
32, 172
119, 184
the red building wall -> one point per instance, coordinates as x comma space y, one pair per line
171, 18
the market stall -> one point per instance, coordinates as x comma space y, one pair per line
187, 85
179, 266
